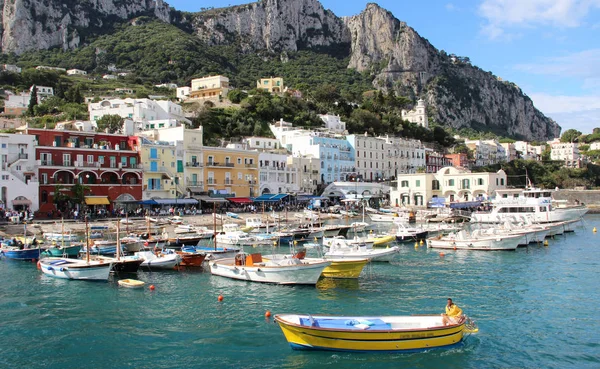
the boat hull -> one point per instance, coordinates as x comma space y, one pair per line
500, 243
344, 269
66, 251
381, 337
308, 273
24, 254
75, 269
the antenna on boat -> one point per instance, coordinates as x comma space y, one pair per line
118, 239
215, 224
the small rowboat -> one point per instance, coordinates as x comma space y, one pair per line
368, 334
131, 283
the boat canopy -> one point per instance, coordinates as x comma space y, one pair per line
466, 204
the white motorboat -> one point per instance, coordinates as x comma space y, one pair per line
66, 268
405, 233
354, 241
251, 267
345, 249
256, 225
386, 218
533, 202
233, 235
213, 253
60, 237
461, 240
156, 260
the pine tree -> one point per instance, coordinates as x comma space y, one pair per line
33, 100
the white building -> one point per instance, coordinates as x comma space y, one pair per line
55, 69
11, 68
386, 157
486, 152
109, 77
19, 186
183, 92
16, 104
452, 184
277, 174
417, 115
167, 85
528, 151
595, 145
567, 152
146, 113
42, 92
510, 151
333, 124
76, 72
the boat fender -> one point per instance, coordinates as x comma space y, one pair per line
62, 269
50, 268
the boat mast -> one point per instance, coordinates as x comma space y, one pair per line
215, 224
87, 241
62, 232
118, 240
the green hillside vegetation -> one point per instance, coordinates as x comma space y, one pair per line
155, 52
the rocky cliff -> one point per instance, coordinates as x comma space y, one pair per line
271, 24
42, 24
458, 94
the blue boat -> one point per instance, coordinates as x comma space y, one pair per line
20, 254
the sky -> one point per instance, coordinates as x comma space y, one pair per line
549, 48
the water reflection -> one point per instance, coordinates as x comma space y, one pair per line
336, 283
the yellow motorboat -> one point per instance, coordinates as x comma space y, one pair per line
131, 283
371, 333
344, 268
383, 240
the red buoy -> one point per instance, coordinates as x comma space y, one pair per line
268, 314
39, 266
220, 298
151, 287
442, 254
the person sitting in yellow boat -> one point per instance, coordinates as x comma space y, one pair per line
453, 315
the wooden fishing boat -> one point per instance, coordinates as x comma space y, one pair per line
70, 251
369, 333
191, 259
66, 268
131, 283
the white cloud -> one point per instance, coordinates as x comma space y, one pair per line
584, 65
503, 14
583, 121
551, 104
450, 7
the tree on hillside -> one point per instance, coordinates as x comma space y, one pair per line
112, 123
33, 101
570, 135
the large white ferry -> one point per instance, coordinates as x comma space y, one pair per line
532, 203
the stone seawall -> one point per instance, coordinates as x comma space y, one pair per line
591, 198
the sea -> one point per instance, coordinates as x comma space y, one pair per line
537, 307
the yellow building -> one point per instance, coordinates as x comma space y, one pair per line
209, 87
273, 85
160, 170
231, 171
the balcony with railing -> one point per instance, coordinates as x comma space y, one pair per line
193, 164
228, 181
217, 164
211, 181
250, 165
195, 183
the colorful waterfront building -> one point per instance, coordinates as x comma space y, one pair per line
159, 164
106, 165
229, 171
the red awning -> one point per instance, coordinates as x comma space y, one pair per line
240, 200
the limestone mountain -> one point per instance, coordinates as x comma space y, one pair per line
374, 42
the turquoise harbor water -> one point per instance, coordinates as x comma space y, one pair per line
538, 307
